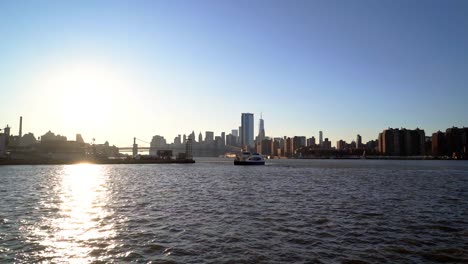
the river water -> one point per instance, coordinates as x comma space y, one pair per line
289, 211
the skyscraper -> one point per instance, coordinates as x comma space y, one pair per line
247, 130
261, 131
235, 132
320, 138
358, 141
209, 137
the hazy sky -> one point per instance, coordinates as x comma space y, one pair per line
112, 70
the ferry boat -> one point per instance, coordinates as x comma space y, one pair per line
247, 158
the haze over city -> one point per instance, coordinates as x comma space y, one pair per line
112, 70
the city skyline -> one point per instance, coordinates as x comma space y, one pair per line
247, 120
118, 70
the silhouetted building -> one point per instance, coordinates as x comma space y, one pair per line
358, 141
247, 135
200, 138
457, 140
439, 144
79, 138
192, 136
288, 147
299, 142
157, 143
326, 144
261, 131
321, 138
372, 145
4, 141
20, 135
280, 141
404, 142
51, 137
311, 142
29, 139
177, 140
275, 147
231, 140
341, 145
265, 147
209, 137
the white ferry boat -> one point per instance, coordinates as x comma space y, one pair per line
247, 158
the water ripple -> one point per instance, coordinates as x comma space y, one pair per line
289, 211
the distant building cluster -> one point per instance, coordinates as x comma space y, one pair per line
391, 142
453, 143
50, 147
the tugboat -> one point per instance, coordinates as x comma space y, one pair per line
247, 158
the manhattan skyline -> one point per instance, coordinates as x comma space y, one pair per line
115, 70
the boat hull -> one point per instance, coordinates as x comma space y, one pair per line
241, 162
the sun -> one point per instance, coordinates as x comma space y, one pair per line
86, 93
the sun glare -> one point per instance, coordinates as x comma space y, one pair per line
83, 198
87, 93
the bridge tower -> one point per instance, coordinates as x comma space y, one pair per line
135, 147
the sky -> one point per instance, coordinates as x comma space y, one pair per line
114, 70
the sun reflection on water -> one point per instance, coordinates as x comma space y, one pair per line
81, 224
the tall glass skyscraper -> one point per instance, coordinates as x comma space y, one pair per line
247, 130
261, 131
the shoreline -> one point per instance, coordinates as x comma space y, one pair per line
101, 162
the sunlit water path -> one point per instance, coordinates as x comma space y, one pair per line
213, 212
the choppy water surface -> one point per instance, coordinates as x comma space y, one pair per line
213, 212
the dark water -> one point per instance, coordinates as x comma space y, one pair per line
294, 211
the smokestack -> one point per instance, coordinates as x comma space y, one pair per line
21, 127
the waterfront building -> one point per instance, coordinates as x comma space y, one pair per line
311, 142
299, 142
4, 141
218, 142
29, 139
372, 145
200, 138
326, 144
280, 142
402, 142
192, 136
261, 130
456, 141
223, 138
209, 137
341, 145
439, 144
231, 140
78, 138
266, 147
178, 140
157, 143
358, 141
247, 128
320, 138
50, 137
